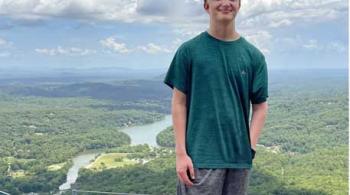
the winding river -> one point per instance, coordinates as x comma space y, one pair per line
142, 134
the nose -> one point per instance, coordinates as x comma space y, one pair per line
226, 2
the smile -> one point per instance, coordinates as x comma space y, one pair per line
226, 11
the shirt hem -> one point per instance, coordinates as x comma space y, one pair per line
222, 165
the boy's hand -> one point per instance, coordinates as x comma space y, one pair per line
183, 165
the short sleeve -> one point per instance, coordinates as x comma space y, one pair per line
259, 88
178, 72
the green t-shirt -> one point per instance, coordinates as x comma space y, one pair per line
220, 80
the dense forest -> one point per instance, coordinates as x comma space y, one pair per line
303, 148
38, 132
166, 138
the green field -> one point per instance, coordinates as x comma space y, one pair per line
111, 160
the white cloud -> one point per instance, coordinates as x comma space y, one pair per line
72, 51
261, 39
311, 45
6, 48
267, 13
336, 46
152, 48
5, 43
297, 43
333, 46
119, 10
111, 43
177, 42
187, 17
277, 13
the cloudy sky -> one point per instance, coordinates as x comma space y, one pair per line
144, 34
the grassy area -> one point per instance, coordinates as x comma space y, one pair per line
110, 160
56, 167
18, 173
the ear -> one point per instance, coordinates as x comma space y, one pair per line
206, 7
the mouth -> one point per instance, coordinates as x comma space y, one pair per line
226, 11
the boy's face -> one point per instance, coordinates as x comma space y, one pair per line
222, 10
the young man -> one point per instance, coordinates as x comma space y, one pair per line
215, 78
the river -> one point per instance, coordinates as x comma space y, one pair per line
142, 134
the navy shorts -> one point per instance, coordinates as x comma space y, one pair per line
216, 181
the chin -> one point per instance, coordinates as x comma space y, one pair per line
225, 19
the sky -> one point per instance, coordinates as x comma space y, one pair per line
144, 34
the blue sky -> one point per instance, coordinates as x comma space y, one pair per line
144, 34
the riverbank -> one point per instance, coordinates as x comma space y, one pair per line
140, 134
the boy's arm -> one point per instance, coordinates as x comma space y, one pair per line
257, 122
179, 111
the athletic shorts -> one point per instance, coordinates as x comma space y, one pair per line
216, 181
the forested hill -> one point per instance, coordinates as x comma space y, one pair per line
303, 146
118, 90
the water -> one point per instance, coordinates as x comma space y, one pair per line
142, 134
79, 161
146, 134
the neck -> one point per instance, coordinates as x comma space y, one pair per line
223, 31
